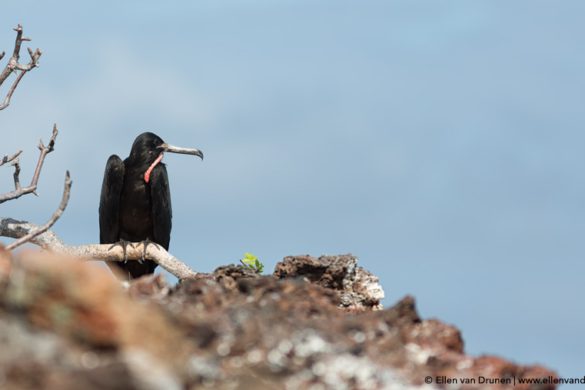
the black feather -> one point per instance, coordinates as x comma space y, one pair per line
162, 211
132, 209
110, 200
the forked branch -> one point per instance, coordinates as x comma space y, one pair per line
56, 215
50, 241
14, 66
32, 187
7, 159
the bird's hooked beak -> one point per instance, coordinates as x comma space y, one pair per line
176, 149
171, 149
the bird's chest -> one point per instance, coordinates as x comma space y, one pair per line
136, 208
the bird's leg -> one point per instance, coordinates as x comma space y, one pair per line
124, 244
145, 245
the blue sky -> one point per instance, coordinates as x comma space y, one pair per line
441, 142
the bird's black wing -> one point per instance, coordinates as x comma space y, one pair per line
110, 200
162, 212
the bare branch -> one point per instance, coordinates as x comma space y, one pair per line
14, 66
11, 90
16, 164
56, 215
13, 228
134, 253
16, 53
7, 159
32, 187
50, 241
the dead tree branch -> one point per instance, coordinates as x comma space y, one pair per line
32, 187
50, 241
7, 159
14, 65
56, 215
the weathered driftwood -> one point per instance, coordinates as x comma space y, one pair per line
48, 240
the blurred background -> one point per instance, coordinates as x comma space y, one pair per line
441, 142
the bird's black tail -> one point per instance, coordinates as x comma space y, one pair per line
132, 269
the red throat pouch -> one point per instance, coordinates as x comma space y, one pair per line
151, 167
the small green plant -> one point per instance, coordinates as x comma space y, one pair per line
250, 261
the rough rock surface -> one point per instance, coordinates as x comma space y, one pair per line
357, 288
316, 323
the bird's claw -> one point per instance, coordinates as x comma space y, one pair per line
124, 244
145, 245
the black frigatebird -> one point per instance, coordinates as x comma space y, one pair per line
135, 204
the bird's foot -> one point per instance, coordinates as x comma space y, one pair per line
145, 245
124, 244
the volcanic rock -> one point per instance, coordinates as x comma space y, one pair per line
315, 323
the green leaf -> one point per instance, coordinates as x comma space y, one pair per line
249, 258
252, 262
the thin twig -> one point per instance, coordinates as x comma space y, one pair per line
7, 159
50, 241
56, 215
16, 175
32, 187
11, 90
14, 66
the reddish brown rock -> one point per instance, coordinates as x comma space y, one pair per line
5, 264
150, 286
83, 304
315, 323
